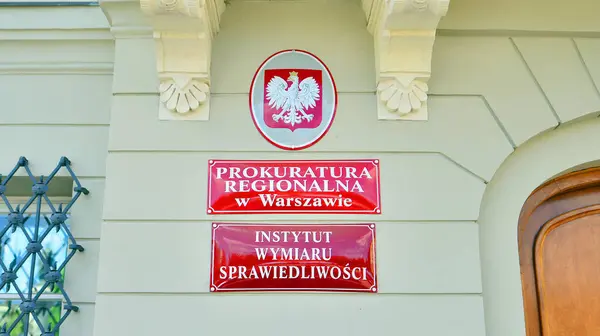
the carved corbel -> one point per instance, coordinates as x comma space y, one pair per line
404, 33
183, 33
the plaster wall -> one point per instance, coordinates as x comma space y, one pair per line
56, 67
85, 87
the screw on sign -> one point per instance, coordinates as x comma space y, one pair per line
295, 257
293, 99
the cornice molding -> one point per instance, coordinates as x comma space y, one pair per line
75, 68
404, 33
183, 31
55, 35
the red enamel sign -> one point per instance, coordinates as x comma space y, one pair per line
293, 99
276, 257
293, 187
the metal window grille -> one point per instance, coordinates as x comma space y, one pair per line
30, 268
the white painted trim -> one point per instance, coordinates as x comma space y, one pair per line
183, 31
52, 18
56, 68
510, 16
47, 3
66, 26
132, 32
534, 162
50, 34
404, 33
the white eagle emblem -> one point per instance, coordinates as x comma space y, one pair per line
292, 101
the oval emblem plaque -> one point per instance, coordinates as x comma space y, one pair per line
293, 99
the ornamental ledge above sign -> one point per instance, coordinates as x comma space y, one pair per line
293, 99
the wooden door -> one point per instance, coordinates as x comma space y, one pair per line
559, 251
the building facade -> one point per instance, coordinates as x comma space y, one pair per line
512, 103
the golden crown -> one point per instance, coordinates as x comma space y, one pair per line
294, 73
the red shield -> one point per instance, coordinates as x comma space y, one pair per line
293, 98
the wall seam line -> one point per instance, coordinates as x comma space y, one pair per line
466, 32
265, 151
370, 153
297, 218
587, 70
51, 125
289, 293
498, 121
468, 171
535, 80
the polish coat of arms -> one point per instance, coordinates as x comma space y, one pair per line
293, 102
292, 99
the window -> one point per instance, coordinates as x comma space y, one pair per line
35, 246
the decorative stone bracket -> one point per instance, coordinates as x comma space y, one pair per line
404, 33
183, 33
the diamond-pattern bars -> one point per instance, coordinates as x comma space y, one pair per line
37, 263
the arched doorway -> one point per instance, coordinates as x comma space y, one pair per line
559, 254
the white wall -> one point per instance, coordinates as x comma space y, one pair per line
489, 94
428, 257
55, 84
497, 82
539, 17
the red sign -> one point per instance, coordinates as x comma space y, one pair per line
312, 257
293, 99
293, 187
